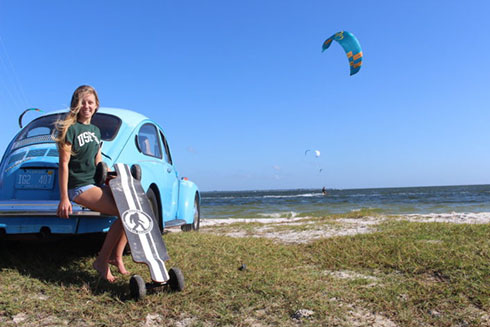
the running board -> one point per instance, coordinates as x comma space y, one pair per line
175, 222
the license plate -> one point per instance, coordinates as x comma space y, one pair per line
35, 179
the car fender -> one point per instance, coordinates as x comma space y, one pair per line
187, 194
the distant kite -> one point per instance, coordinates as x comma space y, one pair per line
312, 158
315, 152
351, 46
25, 111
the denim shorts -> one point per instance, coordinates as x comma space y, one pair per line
74, 192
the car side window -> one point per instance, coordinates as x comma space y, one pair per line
149, 142
168, 157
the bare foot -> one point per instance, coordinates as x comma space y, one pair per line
119, 264
104, 271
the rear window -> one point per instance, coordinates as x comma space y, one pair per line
41, 129
108, 124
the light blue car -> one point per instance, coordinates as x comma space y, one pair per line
29, 191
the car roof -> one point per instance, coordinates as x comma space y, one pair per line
129, 117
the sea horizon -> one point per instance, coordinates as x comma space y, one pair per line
311, 202
343, 189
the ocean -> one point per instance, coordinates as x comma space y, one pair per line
311, 202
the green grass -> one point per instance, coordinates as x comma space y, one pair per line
411, 274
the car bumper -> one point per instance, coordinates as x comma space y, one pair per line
30, 217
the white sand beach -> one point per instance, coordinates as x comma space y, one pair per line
311, 229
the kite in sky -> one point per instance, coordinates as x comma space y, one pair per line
315, 152
351, 46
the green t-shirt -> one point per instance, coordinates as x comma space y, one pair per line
85, 143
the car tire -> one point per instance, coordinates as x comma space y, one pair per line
196, 223
152, 197
197, 214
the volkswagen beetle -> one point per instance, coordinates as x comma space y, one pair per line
29, 190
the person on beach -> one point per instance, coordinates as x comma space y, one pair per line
79, 146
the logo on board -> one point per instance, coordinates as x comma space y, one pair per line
137, 222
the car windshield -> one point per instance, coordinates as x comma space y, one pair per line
41, 129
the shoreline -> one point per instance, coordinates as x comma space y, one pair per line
306, 229
453, 217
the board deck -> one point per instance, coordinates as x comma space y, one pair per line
141, 227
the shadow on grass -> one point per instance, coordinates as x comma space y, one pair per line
59, 261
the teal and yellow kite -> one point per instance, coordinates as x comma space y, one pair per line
351, 46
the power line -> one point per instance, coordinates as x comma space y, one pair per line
17, 92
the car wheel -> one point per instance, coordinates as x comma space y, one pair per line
152, 197
197, 214
197, 217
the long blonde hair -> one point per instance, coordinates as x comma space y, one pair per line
71, 117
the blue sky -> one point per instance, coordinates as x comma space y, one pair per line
242, 88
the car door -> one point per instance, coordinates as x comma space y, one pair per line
172, 177
158, 168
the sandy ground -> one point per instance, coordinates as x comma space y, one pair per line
276, 228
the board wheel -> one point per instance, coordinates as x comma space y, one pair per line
176, 281
137, 287
136, 171
101, 173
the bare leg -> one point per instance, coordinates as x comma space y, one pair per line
101, 264
101, 200
117, 255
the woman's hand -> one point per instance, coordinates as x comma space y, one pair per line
64, 209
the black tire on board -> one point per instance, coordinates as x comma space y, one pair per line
101, 173
137, 287
136, 171
176, 281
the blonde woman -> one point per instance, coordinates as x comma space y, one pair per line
79, 153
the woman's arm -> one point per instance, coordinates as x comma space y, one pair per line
64, 207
